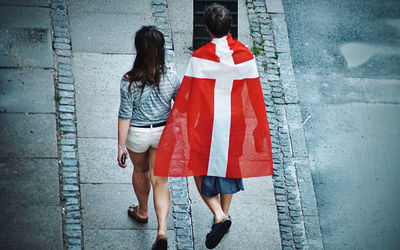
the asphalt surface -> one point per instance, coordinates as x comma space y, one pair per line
346, 57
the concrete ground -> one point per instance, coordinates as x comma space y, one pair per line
102, 51
30, 215
253, 211
346, 58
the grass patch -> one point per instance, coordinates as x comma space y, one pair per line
265, 66
57, 98
276, 55
256, 50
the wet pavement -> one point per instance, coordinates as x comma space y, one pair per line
346, 61
60, 70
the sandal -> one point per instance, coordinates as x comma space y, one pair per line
133, 211
218, 230
160, 244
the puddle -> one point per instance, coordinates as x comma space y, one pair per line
394, 23
357, 53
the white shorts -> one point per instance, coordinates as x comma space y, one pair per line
141, 139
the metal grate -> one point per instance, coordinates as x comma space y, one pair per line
200, 35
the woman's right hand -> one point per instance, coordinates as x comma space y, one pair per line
122, 151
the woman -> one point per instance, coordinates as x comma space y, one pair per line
146, 94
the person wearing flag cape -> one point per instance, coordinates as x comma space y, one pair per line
217, 130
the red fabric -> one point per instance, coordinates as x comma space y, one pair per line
184, 147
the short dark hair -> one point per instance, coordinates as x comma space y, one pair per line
218, 20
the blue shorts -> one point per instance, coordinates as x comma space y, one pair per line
211, 185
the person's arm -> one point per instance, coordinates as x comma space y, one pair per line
124, 119
123, 129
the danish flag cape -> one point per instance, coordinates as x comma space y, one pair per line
218, 125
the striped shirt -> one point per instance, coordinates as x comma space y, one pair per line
151, 106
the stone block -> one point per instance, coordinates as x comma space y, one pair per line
31, 227
31, 135
104, 206
88, 68
98, 164
29, 182
97, 116
34, 3
98, 32
27, 90
124, 239
26, 38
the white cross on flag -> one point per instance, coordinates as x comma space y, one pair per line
218, 124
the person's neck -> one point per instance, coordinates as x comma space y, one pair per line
212, 36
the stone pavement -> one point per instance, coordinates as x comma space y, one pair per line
60, 77
348, 81
30, 216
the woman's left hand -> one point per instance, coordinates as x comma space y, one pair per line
122, 151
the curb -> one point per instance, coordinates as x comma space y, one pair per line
70, 198
181, 204
294, 192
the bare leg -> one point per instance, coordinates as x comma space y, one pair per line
141, 181
212, 202
226, 202
161, 196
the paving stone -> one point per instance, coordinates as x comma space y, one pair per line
70, 181
73, 233
68, 155
73, 227
75, 247
20, 225
65, 66
67, 148
65, 141
29, 182
73, 242
106, 169
62, 86
69, 162
64, 72
67, 128
66, 94
111, 213
74, 214
124, 239
66, 108
27, 90
70, 188
63, 52
26, 38
280, 33
62, 40
72, 201
274, 6
62, 46
31, 135
64, 59
182, 223
70, 169
70, 123
112, 37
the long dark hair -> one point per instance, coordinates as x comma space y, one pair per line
150, 57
